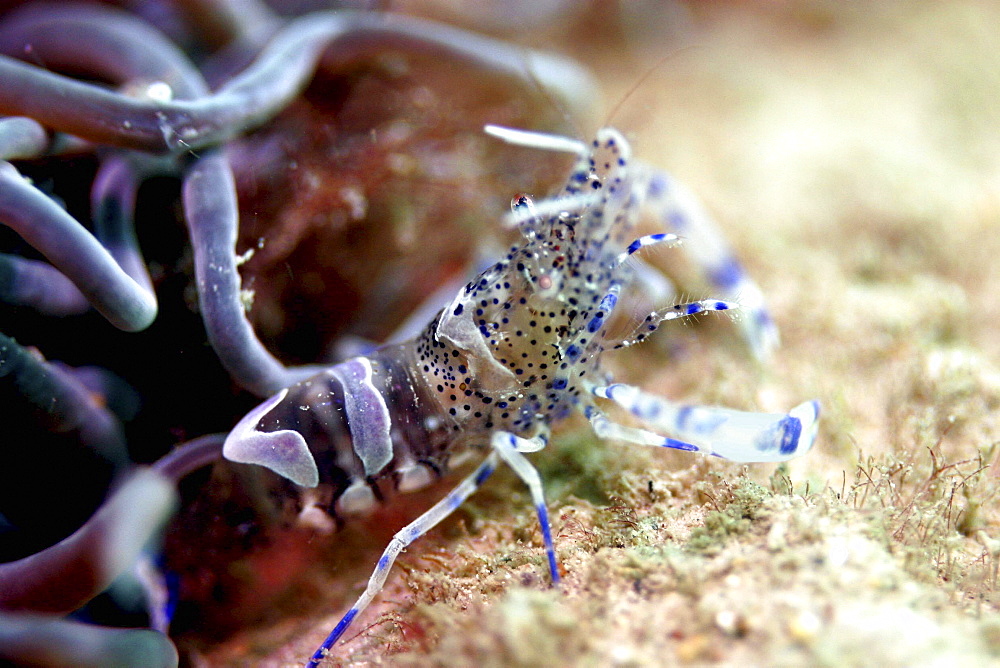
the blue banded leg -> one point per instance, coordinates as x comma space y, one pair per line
399, 542
737, 435
605, 308
605, 428
692, 308
663, 238
681, 212
654, 319
510, 449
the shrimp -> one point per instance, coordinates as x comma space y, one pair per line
516, 350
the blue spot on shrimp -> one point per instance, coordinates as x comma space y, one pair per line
516, 350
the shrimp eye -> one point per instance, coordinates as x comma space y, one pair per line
522, 201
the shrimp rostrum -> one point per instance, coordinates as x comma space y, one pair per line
516, 350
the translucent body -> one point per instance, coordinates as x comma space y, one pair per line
516, 350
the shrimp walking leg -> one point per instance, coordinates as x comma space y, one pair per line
403, 538
510, 449
680, 211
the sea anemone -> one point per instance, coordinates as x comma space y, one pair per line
329, 178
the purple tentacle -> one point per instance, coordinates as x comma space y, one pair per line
74, 252
71, 572
39, 285
225, 22
190, 456
21, 138
99, 41
211, 211
46, 640
265, 87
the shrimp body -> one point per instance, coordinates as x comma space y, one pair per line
516, 350
530, 330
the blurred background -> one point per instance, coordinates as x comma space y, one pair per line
850, 152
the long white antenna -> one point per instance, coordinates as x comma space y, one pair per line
540, 140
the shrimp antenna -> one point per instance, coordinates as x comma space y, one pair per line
532, 139
553, 101
646, 75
